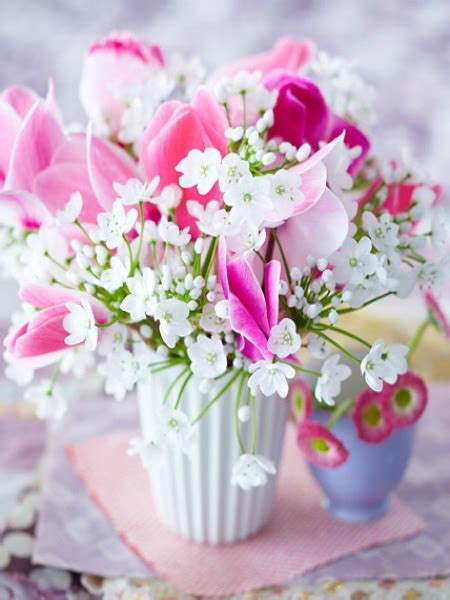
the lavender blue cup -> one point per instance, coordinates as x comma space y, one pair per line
359, 490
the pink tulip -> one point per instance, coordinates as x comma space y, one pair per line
43, 335
287, 54
175, 129
116, 63
252, 312
303, 116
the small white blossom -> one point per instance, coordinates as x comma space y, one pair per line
80, 325
317, 346
72, 210
174, 429
286, 193
149, 451
207, 355
383, 364
284, 339
77, 361
249, 239
135, 191
114, 277
200, 169
169, 199
210, 321
211, 219
354, 261
382, 230
48, 398
250, 200
270, 377
172, 315
337, 163
440, 228
114, 225
113, 339
170, 233
141, 300
250, 470
244, 413
328, 385
232, 169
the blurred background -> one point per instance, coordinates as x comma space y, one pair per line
402, 48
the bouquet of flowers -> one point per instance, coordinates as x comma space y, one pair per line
218, 227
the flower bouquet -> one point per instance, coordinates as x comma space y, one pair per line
204, 238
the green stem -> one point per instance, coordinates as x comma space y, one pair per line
302, 370
236, 410
210, 257
344, 311
349, 335
130, 251
135, 263
84, 231
174, 383
417, 338
338, 346
283, 256
182, 388
254, 424
216, 397
341, 409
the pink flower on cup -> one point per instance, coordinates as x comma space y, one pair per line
117, 62
320, 446
406, 399
302, 116
301, 400
372, 417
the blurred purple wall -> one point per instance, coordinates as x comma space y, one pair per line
403, 45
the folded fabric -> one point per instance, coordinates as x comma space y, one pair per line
299, 537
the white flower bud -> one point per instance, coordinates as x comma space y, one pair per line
198, 246
303, 152
333, 317
244, 413
268, 158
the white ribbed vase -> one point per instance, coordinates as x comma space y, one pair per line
193, 494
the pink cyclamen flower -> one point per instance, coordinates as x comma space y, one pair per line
371, 417
43, 336
176, 129
287, 54
252, 312
437, 314
303, 116
301, 400
406, 399
320, 446
113, 65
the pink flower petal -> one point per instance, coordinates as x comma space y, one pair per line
406, 399
9, 128
320, 446
301, 400
22, 209
35, 144
246, 287
318, 232
371, 417
20, 98
272, 274
242, 322
56, 184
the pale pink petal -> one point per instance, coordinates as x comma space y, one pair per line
72, 150
318, 156
56, 184
314, 182
213, 118
244, 323
108, 164
318, 232
272, 274
9, 128
222, 266
20, 98
22, 209
35, 144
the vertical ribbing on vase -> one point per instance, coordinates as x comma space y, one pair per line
193, 494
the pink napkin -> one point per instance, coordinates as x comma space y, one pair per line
299, 537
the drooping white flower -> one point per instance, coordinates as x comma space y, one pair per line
169, 199
440, 229
149, 451
285, 193
207, 355
172, 315
250, 200
170, 233
200, 169
141, 301
248, 239
71, 212
127, 368
270, 377
422, 198
244, 82
382, 230
186, 72
135, 191
284, 339
232, 169
211, 219
337, 163
332, 375
113, 339
114, 225
80, 325
114, 277
250, 470
210, 321
174, 429
354, 261
317, 347
48, 398
77, 361
434, 275
384, 364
